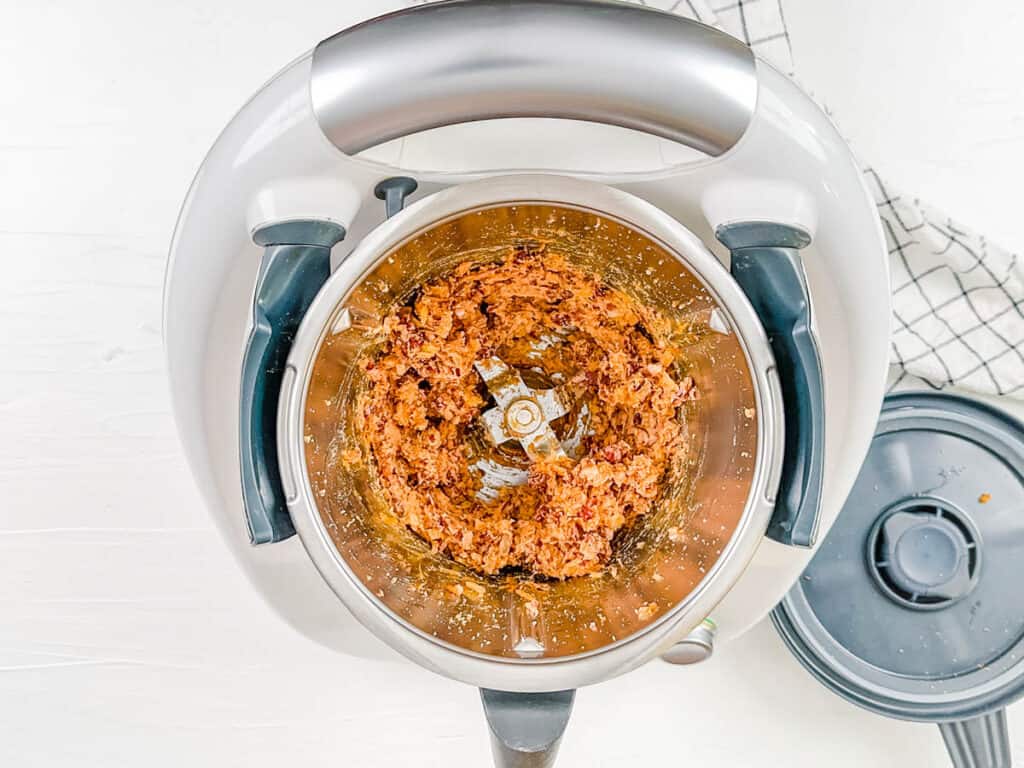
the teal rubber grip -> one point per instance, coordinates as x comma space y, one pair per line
766, 263
296, 263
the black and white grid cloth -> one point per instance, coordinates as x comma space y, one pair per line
958, 300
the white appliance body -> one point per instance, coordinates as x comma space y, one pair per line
274, 162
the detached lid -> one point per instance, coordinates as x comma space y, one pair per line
914, 605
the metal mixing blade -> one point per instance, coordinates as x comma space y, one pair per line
521, 413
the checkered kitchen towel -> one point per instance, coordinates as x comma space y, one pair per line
958, 300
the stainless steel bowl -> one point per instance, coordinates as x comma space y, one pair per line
680, 560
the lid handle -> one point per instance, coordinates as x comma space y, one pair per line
981, 742
526, 728
296, 263
767, 266
464, 60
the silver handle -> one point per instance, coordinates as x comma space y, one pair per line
465, 60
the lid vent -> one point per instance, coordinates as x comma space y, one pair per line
924, 554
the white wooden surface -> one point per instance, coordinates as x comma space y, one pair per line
127, 636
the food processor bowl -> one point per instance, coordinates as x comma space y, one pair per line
512, 631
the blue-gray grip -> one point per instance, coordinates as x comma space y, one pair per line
393, 192
767, 266
296, 263
526, 728
981, 742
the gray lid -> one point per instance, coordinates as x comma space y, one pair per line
913, 606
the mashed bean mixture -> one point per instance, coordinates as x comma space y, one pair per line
424, 401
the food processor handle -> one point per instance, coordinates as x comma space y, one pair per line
526, 728
766, 264
463, 60
981, 742
296, 263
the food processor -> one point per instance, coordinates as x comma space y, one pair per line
295, 241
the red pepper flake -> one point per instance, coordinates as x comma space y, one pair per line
613, 453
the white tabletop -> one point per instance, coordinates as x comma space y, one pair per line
127, 635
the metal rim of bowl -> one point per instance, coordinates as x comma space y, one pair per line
628, 652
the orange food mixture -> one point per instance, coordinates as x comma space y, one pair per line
424, 398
